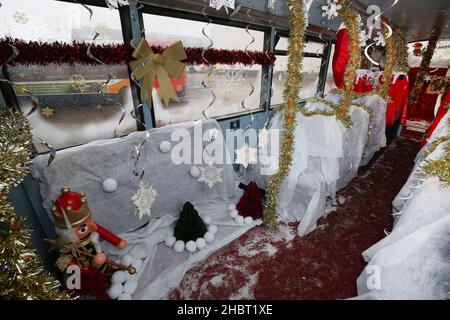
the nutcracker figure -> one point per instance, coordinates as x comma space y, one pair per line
79, 244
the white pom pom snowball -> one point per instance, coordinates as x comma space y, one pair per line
248, 220
239, 219
212, 228
130, 276
170, 240
207, 219
200, 243
165, 146
231, 207
124, 296
234, 213
194, 172
130, 286
126, 260
109, 185
191, 246
179, 246
119, 277
209, 236
115, 290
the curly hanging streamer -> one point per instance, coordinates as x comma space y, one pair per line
51, 151
108, 80
11, 58
34, 104
86, 7
210, 68
137, 147
377, 18
288, 109
252, 90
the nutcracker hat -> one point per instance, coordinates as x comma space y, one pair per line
70, 209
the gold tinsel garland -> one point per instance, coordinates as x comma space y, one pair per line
15, 148
21, 272
433, 146
349, 17
424, 65
440, 167
288, 110
391, 59
401, 49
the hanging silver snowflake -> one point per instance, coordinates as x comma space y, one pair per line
218, 4
330, 10
114, 4
143, 199
210, 175
363, 37
427, 78
379, 39
246, 155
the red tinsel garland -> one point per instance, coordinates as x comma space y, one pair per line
43, 53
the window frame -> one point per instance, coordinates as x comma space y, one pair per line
132, 26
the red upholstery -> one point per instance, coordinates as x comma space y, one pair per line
442, 111
424, 108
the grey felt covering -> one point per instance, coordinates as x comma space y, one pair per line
84, 168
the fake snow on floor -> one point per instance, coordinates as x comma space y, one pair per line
277, 264
235, 266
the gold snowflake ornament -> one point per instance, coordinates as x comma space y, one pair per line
20, 17
78, 82
103, 30
47, 112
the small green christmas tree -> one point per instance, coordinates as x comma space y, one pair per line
190, 225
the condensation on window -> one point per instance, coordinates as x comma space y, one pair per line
310, 73
71, 110
329, 83
232, 85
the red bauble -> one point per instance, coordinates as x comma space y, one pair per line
250, 204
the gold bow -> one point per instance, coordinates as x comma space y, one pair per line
150, 66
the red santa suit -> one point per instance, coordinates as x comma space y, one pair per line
341, 56
399, 93
442, 111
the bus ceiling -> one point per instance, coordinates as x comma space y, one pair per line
263, 14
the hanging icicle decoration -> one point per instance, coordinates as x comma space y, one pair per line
210, 67
252, 87
34, 102
380, 34
108, 80
138, 147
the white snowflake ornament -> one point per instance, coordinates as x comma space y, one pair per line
427, 78
143, 199
218, 4
330, 10
363, 37
114, 4
246, 155
210, 175
379, 39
